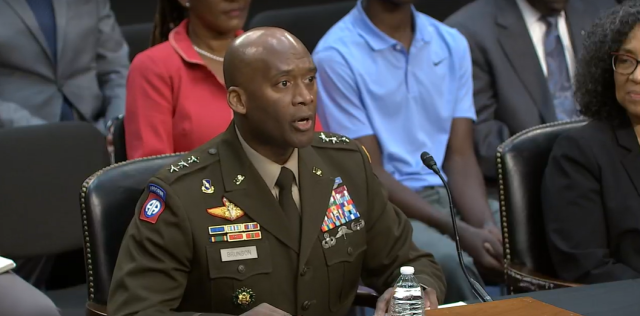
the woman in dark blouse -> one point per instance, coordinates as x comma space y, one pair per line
591, 188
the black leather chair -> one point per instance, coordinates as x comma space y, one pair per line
308, 23
108, 201
521, 161
119, 144
42, 168
138, 37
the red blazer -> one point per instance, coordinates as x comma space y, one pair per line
174, 102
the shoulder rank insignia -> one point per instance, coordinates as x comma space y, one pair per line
229, 211
333, 139
243, 297
154, 205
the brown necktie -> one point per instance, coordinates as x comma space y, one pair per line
287, 203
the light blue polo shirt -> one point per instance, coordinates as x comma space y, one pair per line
368, 84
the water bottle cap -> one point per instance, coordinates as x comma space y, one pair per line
407, 270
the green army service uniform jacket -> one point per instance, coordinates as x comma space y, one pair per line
180, 257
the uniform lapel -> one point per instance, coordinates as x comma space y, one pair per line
24, 11
251, 194
514, 39
316, 183
627, 139
60, 9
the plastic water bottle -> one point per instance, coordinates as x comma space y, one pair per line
408, 297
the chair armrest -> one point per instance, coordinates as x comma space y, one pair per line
94, 309
522, 279
365, 297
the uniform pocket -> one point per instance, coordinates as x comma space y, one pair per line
238, 265
344, 264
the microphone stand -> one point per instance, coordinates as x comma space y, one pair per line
477, 289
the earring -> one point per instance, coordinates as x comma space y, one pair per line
187, 4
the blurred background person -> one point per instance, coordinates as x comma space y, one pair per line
524, 55
400, 82
591, 188
177, 99
51, 72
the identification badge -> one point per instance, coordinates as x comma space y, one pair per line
242, 253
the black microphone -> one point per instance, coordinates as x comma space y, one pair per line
480, 293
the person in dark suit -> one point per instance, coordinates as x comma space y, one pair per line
269, 217
523, 55
591, 187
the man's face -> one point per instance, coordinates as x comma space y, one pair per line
547, 7
281, 97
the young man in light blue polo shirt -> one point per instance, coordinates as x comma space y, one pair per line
400, 83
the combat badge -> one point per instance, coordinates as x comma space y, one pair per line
154, 205
229, 211
243, 297
207, 187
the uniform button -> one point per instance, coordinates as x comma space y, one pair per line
304, 271
306, 305
241, 269
213, 151
398, 47
350, 250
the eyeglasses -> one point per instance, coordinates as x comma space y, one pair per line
624, 64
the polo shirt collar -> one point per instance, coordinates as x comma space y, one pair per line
379, 40
181, 43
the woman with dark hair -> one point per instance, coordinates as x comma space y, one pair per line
591, 188
176, 96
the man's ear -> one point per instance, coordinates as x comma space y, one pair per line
236, 100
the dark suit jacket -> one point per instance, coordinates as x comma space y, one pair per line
510, 89
172, 268
591, 201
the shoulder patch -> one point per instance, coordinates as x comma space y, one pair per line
153, 207
330, 140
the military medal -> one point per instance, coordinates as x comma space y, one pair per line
243, 297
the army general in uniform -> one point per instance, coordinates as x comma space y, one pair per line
268, 218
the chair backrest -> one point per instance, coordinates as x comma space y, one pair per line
138, 37
43, 166
119, 144
129, 12
308, 23
108, 200
522, 160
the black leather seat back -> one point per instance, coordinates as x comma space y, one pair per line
108, 201
522, 160
41, 170
119, 142
308, 23
138, 37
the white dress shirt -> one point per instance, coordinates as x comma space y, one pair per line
538, 27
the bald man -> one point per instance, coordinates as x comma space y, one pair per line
269, 218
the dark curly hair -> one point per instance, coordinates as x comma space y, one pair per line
168, 15
595, 90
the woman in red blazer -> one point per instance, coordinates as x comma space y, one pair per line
176, 97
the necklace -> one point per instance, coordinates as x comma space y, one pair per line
204, 52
